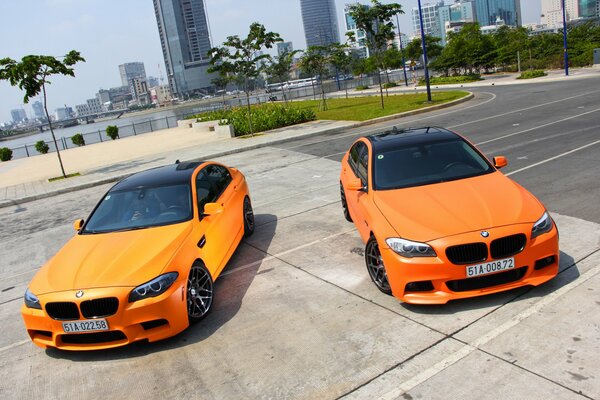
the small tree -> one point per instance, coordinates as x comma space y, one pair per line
341, 60
279, 68
31, 75
112, 131
5, 154
316, 60
42, 147
376, 22
78, 139
239, 56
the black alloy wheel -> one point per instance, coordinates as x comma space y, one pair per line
375, 266
248, 217
344, 204
199, 292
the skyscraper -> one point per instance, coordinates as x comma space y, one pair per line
552, 15
489, 11
320, 22
132, 70
18, 115
185, 39
38, 109
284, 47
587, 8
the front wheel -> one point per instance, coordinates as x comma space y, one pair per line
199, 292
375, 266
248, 217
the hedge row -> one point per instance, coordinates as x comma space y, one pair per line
264, 117
536, 73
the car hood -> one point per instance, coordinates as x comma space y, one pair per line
127, 258
430, 212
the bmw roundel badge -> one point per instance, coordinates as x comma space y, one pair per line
485, 234
79, 294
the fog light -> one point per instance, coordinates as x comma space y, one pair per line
544, 262
422, 286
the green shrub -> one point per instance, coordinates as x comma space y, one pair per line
264, 117
389, 85
536, 73
448, 80
5, 154
112, 131
362, 87
42, 147
78, 139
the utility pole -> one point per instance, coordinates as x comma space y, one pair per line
426, 68
565, 38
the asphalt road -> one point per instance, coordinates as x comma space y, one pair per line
295, 314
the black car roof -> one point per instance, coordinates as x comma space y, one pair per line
180, 172
395, 137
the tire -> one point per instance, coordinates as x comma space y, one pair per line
248, 215
199, 292
344, 204
375, 266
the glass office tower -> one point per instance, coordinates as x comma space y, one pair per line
320, 22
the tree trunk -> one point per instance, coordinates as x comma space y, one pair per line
249, 110
380, 88
324, 101
62, 169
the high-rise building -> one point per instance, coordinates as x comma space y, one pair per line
131, 71
552, 13
431, 21
38, 109
453, 17
360, 46
588, 8
185, 38
491, 11
320, 22
284, 47
18, 115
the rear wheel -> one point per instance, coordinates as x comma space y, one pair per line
199, 292
344, 204
375, 266
248, 217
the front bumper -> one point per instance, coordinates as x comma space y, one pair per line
436, 280
149, 319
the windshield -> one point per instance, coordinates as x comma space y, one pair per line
427, 163
141, 208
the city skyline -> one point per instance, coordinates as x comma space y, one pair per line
109, 33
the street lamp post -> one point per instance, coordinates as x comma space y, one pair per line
565, 38
425, 53
401, 51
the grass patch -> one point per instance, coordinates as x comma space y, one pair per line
58, 178
449, 80
364, 108
248, 136
536, 73
361, 87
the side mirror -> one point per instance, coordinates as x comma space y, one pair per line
355, 184
500, 162
213, 209
78, 224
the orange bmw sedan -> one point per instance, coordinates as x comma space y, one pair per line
439, 221
142, 266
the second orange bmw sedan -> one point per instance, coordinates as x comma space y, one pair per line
142, 266
440, 222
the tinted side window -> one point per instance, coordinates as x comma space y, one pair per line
353, 156
219, 177
362, 168
205, 190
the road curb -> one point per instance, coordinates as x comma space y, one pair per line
115, 178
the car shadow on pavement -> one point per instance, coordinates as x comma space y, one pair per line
230, 289
568, 272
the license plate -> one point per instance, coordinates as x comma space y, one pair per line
88, 325
490, 267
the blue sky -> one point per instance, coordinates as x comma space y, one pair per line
112, 32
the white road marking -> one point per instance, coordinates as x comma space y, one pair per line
259, 204
12, 346
379, 130
283, 253
494, 333
523, 109
553, 158
537, 127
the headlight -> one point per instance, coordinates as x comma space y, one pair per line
31, 300
542, 226
155, 287
409, 249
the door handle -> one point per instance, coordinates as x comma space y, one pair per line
202, 241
